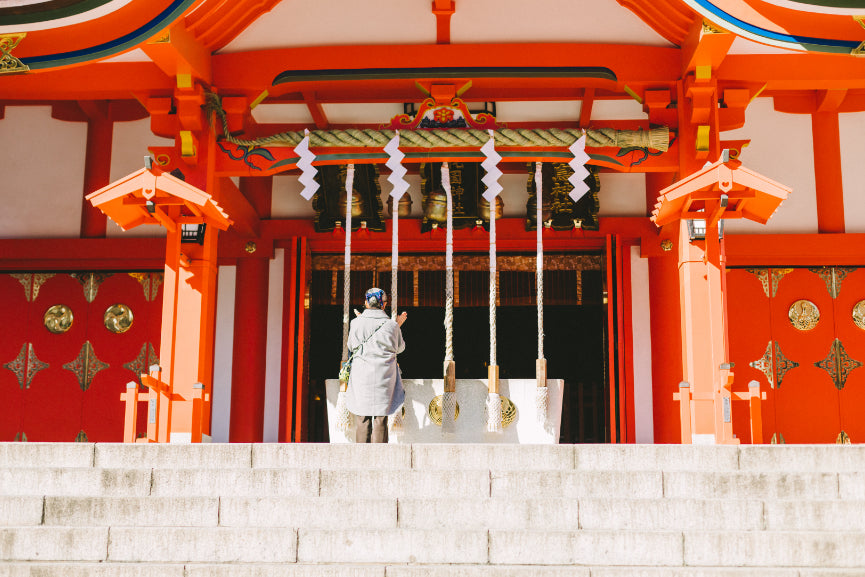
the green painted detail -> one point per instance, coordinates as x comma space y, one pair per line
46, 11
833, 3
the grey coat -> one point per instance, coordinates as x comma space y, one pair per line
375, 386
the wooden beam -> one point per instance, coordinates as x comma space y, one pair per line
443, 10
179, 53
705, 45
316, 110
586, 107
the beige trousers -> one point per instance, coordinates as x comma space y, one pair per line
370, 429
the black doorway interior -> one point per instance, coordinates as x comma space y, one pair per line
574, 346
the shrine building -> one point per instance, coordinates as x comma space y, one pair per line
609, 221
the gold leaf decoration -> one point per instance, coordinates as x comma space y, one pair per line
81, 437
10, 64
859, 314
118, 318
838, 364
85, 366
20, 437
58, 319
150, 282
145, 359
26, 365
765, 365
90, 282
843, 439
32, 283
804, 315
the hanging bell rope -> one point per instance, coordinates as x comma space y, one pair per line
449, 396
491, 180
343, 416
397, 174
542, 393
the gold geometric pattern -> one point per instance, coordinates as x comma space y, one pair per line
775, 440
20, 437
832, 276
774, 364
118, 318
764, 277
85, 366
90, 281
10, 64
804, 315
81, 437
838, 364
32, 283
58, 319
150, 282
140, 364
26, 365
843, 439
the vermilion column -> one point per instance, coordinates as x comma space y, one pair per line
250, 348
97, 173
827, 172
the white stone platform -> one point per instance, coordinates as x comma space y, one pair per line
471, 423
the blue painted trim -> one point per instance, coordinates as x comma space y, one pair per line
788, 38
164, 18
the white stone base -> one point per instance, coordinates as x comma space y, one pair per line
471, 424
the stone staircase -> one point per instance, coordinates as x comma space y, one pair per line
439, 510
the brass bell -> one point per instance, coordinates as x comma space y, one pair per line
484, 207
532, 209
436, 206
404, 206
356, 203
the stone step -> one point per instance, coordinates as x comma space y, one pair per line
46, 454
58, 481
132, 511
176, 456
108, 569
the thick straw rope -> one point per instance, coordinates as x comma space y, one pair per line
396, 422
494, 400
541, 392
449, 398
343, 416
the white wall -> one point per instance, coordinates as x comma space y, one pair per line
43, 174
781, 149
222, 354
852, 129
641, 327
274, 346
622, 194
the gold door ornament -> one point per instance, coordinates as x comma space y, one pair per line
58, 319
32, 282
435, 410
804, 315
10, 64
774, 364
765, 278
26, 365
859, 314
838, 364
85, 366
118, 318
832, 276
90, 282
150, 282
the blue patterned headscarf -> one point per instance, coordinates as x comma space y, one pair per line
375, 298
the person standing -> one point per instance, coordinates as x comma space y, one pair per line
375, 385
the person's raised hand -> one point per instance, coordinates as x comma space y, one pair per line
401, 318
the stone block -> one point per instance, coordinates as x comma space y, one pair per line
309, 513
53, 543
577, 484
174, 456
20, 511
656, 457
132, 511
485, 571
91, 570
502, 513
804, 458
284, 570
692, 572
202, 545
400, 484
775, 549
750, 485
498, 457
671, 514
797, 515
651, 548
332, 456
46, 454
851, 486
235, 482
392, 546
75, 482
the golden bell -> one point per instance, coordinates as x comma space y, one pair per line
532, 209
356, 204
404, 206
484, 207
435, 208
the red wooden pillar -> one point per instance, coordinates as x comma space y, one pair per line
250, 350
295, 338
827, 172
97, 174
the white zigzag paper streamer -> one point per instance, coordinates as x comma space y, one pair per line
397, 170
578, 164
308, 171
491, 179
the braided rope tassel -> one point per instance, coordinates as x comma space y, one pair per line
541, 392
343, 416
449, 398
